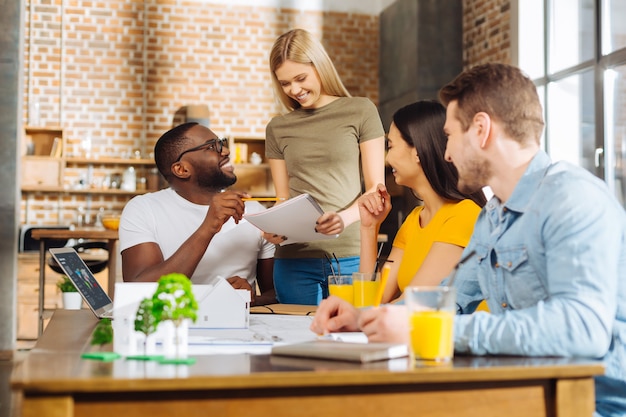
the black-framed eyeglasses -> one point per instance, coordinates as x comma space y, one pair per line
212, 144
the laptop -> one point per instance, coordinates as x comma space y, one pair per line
85, 282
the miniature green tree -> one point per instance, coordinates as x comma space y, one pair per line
145, 320
102, 335
173, 300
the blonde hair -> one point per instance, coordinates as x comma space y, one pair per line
301, 47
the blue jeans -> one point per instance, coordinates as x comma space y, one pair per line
305, 280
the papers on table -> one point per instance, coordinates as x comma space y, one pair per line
290, 335
295, 218
265, 331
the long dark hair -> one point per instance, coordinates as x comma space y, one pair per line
421, 127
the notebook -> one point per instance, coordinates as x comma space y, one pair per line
343, 351
295, 218
85, 282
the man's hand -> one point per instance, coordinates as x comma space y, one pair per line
388, 323
239, 283
224, 206
335, 315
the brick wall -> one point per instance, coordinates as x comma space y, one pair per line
486, 32
118, 70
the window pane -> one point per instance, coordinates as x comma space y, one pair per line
571, 33
615, 129
571, 120
531, 38
613, 27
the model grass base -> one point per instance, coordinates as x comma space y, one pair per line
177, 361
101, 356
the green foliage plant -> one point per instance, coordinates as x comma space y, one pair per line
65, 285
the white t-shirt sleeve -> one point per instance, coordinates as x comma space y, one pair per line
137, 224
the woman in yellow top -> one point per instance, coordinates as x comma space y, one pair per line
433, 236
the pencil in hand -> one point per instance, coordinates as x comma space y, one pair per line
384, 276
262, 199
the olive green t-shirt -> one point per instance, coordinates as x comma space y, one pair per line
321, 151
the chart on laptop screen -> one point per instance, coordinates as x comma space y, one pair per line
83, 279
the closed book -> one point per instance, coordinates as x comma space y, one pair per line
343, 351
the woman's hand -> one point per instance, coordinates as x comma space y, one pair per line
374, 207
274, 238
329, 223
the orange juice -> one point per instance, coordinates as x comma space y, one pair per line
343, 291
431, 335
365, 293
112, 223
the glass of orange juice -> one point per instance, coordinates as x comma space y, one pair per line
431, 323
341, 286
366, 286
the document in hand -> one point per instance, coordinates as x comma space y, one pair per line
295, 218
343, 351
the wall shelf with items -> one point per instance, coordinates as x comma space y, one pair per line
102, 175
56, 184
47, 169
252, 170
42, 160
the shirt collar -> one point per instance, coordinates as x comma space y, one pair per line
529, 183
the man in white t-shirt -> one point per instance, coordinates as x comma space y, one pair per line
195, 227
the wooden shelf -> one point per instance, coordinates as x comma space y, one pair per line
108, 161
43, 129
62, 190
248, 165
41, 158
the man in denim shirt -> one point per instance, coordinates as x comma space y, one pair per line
550, 246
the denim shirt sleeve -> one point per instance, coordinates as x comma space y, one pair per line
549, 274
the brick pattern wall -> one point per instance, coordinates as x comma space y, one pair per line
118, 70
486, 32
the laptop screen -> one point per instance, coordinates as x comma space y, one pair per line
82, 278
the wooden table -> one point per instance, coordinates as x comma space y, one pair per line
111, 236
54, 381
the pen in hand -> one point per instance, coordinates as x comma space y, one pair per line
384, 276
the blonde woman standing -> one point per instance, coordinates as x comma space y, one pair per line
327, 144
